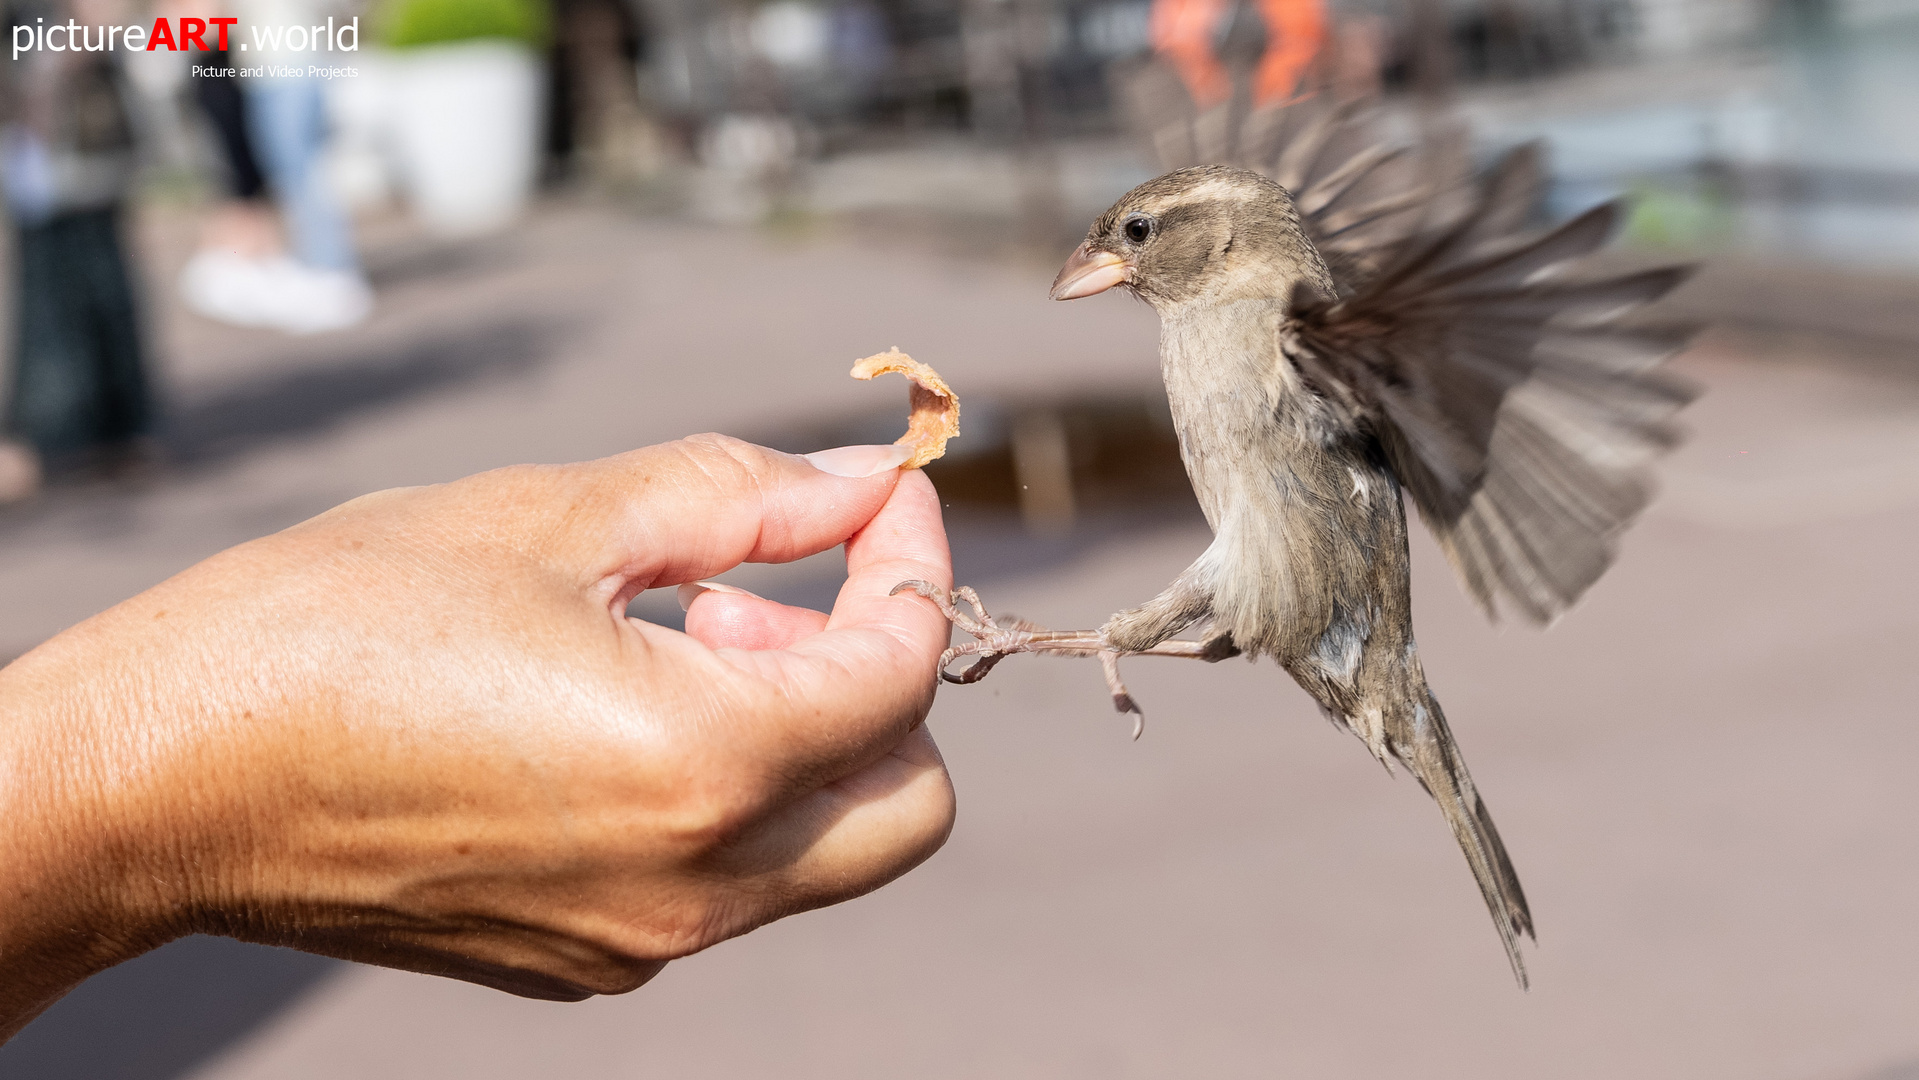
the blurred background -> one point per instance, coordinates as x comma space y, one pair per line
510, 230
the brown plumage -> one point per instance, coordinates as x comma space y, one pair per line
1446, 355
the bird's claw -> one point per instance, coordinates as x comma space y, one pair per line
993, 642
1123, 702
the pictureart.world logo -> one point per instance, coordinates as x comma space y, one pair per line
196, 35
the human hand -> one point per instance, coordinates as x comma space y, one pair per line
419, 731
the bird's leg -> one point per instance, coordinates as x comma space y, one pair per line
993, 642
1182, 604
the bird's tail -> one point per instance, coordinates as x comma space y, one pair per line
1430, 753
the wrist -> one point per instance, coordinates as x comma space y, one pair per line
89, 880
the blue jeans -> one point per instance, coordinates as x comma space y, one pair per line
287, 121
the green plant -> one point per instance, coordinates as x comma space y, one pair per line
412, 23
1696, 216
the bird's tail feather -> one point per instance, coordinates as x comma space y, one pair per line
1430, 753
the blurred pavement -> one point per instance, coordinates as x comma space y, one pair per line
1704, 772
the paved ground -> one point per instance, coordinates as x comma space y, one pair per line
1703, 773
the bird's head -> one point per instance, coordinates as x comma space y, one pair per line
1211, 233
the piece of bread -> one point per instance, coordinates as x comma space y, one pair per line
935, 416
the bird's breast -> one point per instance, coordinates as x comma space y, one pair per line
1227, 385
1300, 519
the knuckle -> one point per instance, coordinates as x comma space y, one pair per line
728, 455
715, 442
726, 467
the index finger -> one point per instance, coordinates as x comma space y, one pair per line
858, 688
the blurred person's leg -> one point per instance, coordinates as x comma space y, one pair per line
79, 383
1183, 32
1295, 31
287, 119
248, 229
232, 276
52, 375
19, 472
245, 223
322, 288
123, 403
219, 97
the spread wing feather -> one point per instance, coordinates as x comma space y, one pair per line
1516, 405
1517, 409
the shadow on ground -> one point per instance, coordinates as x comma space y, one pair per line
226, 422
248, 414
158, 1017
427, 259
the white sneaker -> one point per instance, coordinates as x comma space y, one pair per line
274, 292
20, 474
309, 301
229, 288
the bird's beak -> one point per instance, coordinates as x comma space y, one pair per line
1088, 272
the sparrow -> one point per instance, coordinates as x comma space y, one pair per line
1325, 366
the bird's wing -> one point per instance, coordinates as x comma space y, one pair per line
1359, 195
1516, 406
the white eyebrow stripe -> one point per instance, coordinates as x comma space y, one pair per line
1215, 188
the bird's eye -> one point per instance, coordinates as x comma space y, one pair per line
1137, 229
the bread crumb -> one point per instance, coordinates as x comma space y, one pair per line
935, 415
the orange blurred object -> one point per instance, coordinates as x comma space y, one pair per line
1183, 31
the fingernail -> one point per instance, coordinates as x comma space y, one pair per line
691, 591
860, 461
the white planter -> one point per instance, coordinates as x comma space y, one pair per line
466, 131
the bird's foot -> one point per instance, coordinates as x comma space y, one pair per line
993, 642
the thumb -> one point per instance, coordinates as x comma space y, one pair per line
688, 510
